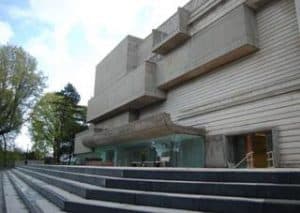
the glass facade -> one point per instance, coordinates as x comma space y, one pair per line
177, 150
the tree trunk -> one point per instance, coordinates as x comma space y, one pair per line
56, 149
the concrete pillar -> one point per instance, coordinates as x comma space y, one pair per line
297, 5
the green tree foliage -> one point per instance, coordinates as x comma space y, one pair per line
44, 123
70, 92
12, 157
20, 85
56, 119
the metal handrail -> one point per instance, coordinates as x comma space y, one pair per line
270, 159
248, 158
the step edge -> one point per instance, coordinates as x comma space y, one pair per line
30, 204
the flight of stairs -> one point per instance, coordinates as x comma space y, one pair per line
45, 188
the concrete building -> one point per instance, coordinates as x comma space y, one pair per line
215, 85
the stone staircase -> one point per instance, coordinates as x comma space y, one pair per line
45, 188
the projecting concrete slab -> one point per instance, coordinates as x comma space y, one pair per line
151, 127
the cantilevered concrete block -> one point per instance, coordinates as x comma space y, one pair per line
154, 126
166, 40
229, 38
78, 145
134, 90
122, 59
257, 4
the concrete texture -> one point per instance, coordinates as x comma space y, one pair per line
118, 120
208, 81
2, 197
74, 203
134, 90
132, 84
229, 38
12, 201
28, 200
297, 4
247, 95
34, 202
164, 42
215, 152
78, 145
178, 201
160, 187
258, 4
108, 71
155, 126
280, 191
284, 176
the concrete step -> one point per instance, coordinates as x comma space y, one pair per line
34, 202
73, 203
169, 200
282, 176
2, 196
104, 171
256, 190
12, 201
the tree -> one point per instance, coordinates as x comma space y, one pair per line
70, 92
20, 85
45, 123
72, 118
56, 119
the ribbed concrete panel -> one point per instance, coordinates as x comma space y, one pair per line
228, 39
273, 71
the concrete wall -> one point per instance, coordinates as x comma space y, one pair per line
297, 4
122, 86
108, 71
79, 148
134, 90
114, 92
225, 40
261, 91
118, 120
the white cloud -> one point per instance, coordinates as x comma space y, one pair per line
104, 24
5, 32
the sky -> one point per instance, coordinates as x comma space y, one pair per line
69, 37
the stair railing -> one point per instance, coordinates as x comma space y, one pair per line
270, 159
248, 159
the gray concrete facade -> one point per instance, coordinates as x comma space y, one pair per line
226, 66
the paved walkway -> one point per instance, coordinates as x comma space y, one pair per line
2, 201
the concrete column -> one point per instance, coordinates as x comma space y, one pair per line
297, 5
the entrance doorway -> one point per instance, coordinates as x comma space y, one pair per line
251, 150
